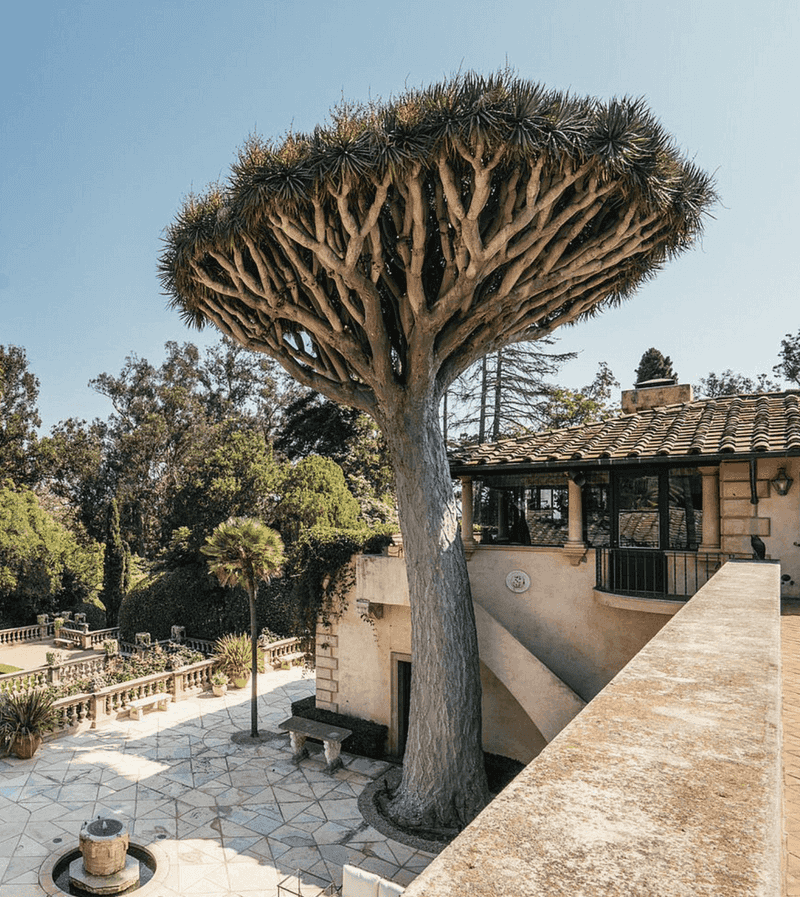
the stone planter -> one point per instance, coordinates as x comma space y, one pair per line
240, 681
25, 746
219, 690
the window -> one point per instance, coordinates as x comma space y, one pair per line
529, 509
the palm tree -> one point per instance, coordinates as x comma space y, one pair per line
243, 552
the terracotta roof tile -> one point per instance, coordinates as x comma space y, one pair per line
745, 424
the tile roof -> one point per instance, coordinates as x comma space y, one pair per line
741, 425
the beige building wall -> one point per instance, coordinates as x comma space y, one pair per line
362, 684
581, 637
559, 619
776, 518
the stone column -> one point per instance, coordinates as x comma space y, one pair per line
466, 512
710, 541
575, 547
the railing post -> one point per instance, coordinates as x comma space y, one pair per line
177, 685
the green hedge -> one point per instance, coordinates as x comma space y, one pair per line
189, 596
368, 738
95, 616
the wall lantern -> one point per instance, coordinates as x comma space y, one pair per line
782, 482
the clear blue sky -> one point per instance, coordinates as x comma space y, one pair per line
113, 111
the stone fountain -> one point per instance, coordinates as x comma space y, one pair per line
104, 867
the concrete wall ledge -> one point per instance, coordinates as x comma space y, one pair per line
666, 785
663, 606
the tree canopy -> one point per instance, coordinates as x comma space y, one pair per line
19, 417
380, 256
405, 240
789, 354
730, 383
43, 566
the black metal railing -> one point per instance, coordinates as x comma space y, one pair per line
649, 573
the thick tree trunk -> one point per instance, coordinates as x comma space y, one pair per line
444, 782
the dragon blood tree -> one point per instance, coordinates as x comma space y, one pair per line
381, 255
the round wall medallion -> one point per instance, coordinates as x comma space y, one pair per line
518, 581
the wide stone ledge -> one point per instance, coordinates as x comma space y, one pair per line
667, 783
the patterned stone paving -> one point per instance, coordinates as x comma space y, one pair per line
232, 819
790, 664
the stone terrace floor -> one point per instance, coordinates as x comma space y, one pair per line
231, 819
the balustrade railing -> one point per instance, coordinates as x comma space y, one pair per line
649, 573
92, 709
58, 674
286, 650
19, 635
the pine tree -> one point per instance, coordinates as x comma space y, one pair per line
655, 366
114, 564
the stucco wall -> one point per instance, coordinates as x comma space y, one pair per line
776, 518
364, 659
558, 619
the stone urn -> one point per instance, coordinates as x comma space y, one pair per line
239, 680
25, 746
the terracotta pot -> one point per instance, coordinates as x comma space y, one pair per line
25, 746
219, 690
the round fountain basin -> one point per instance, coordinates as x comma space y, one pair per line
59, 873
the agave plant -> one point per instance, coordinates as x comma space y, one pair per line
24, 719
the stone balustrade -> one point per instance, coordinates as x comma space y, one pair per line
285, 650
667, 783
19, 635
84, 711
58, 674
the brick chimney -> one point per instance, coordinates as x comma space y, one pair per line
654, 394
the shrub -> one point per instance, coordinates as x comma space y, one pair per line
368, 738
234, 655
95, 616
26, 713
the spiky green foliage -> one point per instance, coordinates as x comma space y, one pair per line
242, 551
25, 713
431, 229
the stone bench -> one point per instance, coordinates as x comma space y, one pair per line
160, 701
300, 729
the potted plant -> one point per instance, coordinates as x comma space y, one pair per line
24, 719
58, 625
233, 658
219, 684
